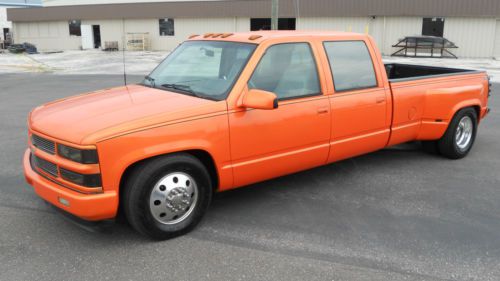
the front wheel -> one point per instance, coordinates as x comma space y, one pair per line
167, 196
460, 135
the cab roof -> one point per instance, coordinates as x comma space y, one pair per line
260, 36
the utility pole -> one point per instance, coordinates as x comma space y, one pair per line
274, 15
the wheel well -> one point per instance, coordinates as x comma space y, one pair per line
476, 108
209, 163
201, 155
478, 112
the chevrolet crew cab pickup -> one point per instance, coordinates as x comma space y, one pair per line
228, 110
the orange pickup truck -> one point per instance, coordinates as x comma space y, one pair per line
232, 109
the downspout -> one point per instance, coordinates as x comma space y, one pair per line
383, 37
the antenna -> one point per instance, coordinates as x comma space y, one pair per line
123, 52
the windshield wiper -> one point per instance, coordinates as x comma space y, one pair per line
183, 88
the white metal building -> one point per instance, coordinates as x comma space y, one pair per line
473, 25
5, 26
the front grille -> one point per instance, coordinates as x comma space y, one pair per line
43, 144
46, 166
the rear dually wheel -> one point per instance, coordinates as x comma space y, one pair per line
460, 135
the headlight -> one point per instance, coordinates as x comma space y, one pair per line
93, 180
84, 156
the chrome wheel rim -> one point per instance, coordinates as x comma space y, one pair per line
463, 134
173, 198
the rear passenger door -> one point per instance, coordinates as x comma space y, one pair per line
293, 137
360, 104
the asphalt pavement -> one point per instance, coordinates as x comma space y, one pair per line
397, 214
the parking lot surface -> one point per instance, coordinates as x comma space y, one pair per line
397, 214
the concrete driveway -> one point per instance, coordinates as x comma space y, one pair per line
397, 214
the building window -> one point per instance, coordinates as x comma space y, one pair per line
75, 27
265, 24
433, 27
167, 27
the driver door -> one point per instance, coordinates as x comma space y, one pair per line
293, 137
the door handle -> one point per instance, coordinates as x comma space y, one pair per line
322, 110
380, 99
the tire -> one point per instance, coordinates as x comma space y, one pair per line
451, 145
430, 147
158, 190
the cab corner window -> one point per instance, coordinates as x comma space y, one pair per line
351, 65
288, 70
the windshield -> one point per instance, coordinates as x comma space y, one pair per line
205, 69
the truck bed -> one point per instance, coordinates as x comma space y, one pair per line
422, 108
404, 72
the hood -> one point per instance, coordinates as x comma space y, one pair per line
91, 117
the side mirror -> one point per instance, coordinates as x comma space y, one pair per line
260, 99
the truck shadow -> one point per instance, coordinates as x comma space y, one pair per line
334, 173
333, 180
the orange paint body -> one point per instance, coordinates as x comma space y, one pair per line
130, 124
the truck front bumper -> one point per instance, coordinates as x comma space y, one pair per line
90, 207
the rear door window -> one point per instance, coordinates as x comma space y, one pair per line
351, 65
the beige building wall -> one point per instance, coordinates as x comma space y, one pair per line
352, 24
55, 35
385, 30
475, 37
397, 28
496, 52
185, 27
111, 30
3, 21
46, 35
